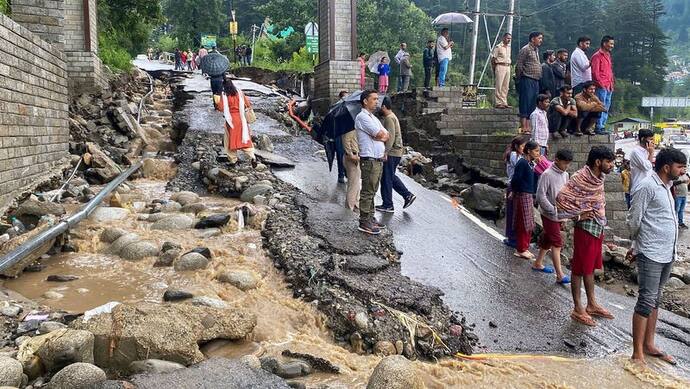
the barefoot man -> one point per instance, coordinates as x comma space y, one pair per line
583, 200
652, 223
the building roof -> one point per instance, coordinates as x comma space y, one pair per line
631, 120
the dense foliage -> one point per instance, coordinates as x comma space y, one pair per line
4, 7
124, 27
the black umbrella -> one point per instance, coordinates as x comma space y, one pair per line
339, 120
214, 64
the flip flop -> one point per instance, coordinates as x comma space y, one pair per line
545, 269
600, 313
580, 318
664, 357
563, 281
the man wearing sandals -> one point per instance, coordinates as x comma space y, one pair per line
652, 222
550, 183
583, 200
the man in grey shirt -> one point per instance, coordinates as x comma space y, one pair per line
652, 222
371, 137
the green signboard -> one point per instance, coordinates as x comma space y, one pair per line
312, 44
208, 41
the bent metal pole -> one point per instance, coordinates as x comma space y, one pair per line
26, 249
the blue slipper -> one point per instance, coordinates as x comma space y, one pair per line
565, 280
545, 269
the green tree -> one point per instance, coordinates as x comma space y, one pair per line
192, 18
4, 7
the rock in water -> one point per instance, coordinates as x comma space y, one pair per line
77, 376
176, 295
107, 214
139, 250
255, 190
483, 198
122, 242
153, 366
385, 348
395, 372
11, 372
61, 278
47, 327
170, 332
109, 235
167, 258
213, 221
173, 222
291, 369
243, 280
191, 261
185, 198
205, 251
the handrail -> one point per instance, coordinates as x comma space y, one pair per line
37, 241
291, 112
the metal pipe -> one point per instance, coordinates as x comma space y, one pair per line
511, 13
37, 241
141, 102
475, 35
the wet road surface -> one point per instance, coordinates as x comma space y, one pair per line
482, 279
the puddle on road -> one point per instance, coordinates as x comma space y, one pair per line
282, 321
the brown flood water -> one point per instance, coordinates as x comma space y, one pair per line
282, 321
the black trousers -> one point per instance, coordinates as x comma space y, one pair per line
427, 77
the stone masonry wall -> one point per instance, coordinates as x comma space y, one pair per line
34, 132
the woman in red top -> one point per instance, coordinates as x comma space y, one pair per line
233, 103
183, 56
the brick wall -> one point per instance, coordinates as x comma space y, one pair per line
81, 47
34, 132
44, 18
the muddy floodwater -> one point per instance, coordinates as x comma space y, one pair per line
283, 322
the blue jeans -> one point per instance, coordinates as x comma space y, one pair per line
390, 181
443, 70
340, 154
528, 89
680, 208
651, 276
605, 97
628, 199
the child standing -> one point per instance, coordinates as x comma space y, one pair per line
384, 70
540, 124
550, 183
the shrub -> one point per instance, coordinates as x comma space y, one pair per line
4, 7
116, 57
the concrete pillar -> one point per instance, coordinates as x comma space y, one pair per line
338, 68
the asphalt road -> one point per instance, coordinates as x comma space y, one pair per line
481, 278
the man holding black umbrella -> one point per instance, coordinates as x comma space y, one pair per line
371, 137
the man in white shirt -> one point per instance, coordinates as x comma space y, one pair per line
398, 59
444, 52
641, 159
652, 222
580, 66
371, 137
540, 124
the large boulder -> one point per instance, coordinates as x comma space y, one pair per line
213, 221
77, 376
191, 261
11, 372
108, 214
241, 279
173, 222
395, 372
139, 250
103, 167
53, 351
483, 198
185, 198
39, 208
213, 373
255, 190
109, 235
122, 242
171, 332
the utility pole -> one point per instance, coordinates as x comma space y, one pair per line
475, 34
511, 13
254, 28
234, 35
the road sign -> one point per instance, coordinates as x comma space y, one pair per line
311, 29
666, 102
208, 41
233, 28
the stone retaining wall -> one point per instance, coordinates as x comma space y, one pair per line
34, 132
